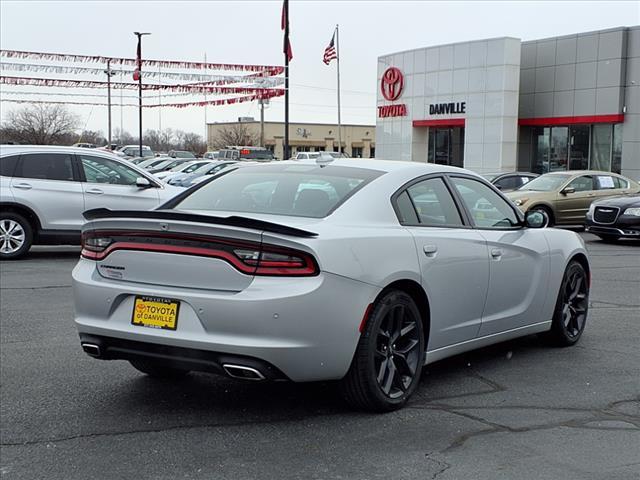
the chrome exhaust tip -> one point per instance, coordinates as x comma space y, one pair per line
243, 373
91, 349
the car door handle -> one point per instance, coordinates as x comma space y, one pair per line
496, 253
430, 250
94, 191
23, 186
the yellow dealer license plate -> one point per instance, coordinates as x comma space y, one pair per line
156, 312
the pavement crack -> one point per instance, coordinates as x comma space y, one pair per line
591, 417
440, 463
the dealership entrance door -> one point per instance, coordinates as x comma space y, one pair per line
446, 146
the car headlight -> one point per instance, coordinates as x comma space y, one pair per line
634, 211
521, 201
592, 208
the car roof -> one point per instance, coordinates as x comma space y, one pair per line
14, 149
380, 165
581, 172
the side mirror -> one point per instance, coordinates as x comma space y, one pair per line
142, 182
568, 190
536, 219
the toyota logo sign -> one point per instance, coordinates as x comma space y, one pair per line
392, 83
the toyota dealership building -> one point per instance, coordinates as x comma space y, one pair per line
570, 102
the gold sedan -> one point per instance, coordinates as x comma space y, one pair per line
565, 196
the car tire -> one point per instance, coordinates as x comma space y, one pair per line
547, 213
16, 236
387, 364
609, 238
572, 305
158, 370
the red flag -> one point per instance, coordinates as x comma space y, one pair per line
284, 25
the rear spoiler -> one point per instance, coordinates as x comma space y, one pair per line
233, 221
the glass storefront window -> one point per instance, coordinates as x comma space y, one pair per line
540, 163
601, 148
579, 147
616, 157
559, 149
446, 146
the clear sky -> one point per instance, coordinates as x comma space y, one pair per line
249, 32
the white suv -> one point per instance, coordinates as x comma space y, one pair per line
44, 190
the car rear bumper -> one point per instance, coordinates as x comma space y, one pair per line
305, 328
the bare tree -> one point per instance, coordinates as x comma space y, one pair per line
39, 125
90, 136
237, 134
166, 139
122, 137
193, 142
153, 139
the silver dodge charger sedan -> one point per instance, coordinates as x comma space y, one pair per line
360, 271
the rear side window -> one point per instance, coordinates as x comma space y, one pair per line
620, 183
434, 204
45, 166
406, 212
296, 190
605, 182
8, 165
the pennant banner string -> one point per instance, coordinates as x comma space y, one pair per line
225, 101
212, 79
64, 57
202, 88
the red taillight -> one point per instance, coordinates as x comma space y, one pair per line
247, 257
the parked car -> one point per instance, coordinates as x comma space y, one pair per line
187, 167
167, 165
84, 145
256, 276
181, 154
509, 181
211, 155
139, 160
44, 190
134, 151
153, 162
564, 197
257, 154
614, 218
189, 179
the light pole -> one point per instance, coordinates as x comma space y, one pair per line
139, 75
109, 73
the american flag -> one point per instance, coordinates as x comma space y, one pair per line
330, 52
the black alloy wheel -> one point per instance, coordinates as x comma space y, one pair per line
570, 315
387, 365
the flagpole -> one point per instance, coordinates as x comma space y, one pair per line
286, 80
338, 81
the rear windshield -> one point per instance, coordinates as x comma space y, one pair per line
297, 190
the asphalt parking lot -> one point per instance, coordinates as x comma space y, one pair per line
518, 410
